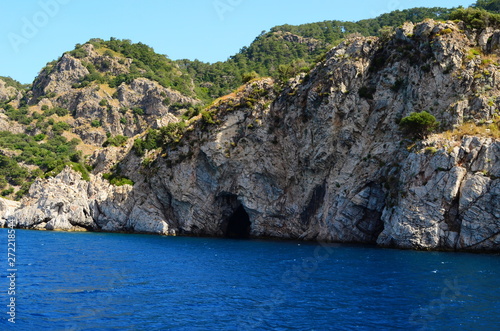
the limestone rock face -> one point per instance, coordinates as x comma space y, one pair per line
311, 43
321, 159
58, 203
68, 203
9, 93
8, 125
447, 199
67, 71
128, 109
7, 208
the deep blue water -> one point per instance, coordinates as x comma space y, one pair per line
95, 281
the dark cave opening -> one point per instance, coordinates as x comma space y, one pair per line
238, 224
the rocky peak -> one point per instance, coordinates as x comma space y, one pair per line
9, 93
105, 96
59, 77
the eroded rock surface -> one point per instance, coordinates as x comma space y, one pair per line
324, 159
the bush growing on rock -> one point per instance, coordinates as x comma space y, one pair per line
61, 112
60, 127
476, 18
151, 141
489, 5
46, 155
138, 111
116, 141
115, 179
248, 76
419, 125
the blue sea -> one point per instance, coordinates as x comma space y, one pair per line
100, 281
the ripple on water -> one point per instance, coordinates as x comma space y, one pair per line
128, 282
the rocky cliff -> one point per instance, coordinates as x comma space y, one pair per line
78, 82
322, 159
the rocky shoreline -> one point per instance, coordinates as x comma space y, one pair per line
321, 160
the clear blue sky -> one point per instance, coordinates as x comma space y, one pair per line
38, 31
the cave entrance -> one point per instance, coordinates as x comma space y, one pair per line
238, 224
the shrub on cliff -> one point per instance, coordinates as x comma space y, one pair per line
248, 76
116, 141
419, 125
476, 18
45, 155
115, 179
489, 5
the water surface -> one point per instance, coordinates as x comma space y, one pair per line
97, 281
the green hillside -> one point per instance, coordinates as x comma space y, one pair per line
287, 49
48, 142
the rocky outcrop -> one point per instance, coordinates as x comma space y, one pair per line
13, 96
67, 202
59, 77
58, 203
7, 208
447, 198
9, 93
8, 125
312, 44
323, 159
128, 109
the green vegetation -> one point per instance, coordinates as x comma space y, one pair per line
489, 5
246, 77
281, 53
19, 115
168, 136
207, 118
145, 63
419, 125
59, 127
14, 83
11, 172
78, 52
116, 141
117, 180
49, 156
192, 112
22, 116
61, 111
151, 141
172, 133
275, 54
476, 18
138, 111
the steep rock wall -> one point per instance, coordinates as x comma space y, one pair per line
324, 159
